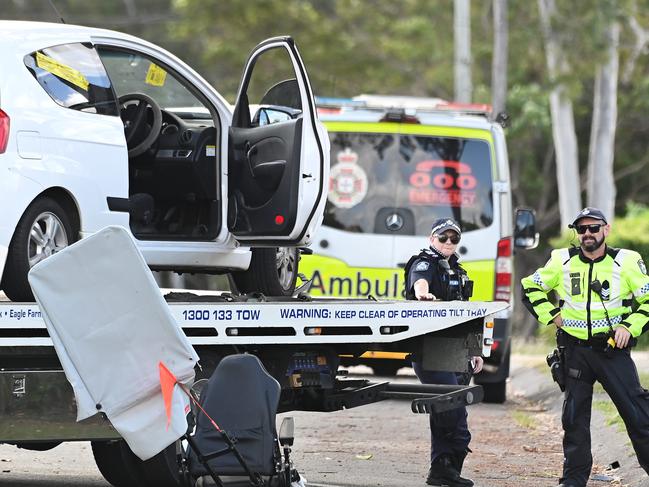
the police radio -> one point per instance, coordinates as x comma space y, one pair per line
597, 287
460, 287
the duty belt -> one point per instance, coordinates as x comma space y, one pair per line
596, 342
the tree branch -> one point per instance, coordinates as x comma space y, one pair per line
640, 46
631, 169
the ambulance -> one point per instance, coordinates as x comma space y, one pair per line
397, 164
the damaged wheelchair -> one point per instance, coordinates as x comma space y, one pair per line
232, 439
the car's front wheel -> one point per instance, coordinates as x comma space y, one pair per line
272, 272
43, 230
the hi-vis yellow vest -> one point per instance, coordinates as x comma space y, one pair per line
588, 289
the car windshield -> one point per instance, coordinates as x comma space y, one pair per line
131, 73
423, 177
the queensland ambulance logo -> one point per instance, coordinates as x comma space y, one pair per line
347, 181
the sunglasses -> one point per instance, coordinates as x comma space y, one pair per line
581, 229
455, 239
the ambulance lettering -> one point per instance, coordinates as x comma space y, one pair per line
443, 183
357, 284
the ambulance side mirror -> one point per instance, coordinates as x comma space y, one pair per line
525, 234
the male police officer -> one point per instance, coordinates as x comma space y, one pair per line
428, 278
596, 325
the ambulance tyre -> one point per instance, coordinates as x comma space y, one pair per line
272, 272
118, 464
496, 392
386, 368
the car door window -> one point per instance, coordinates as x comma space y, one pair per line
74, 76
132, 72
272, 92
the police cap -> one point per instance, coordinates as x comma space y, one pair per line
589, 212
442, 224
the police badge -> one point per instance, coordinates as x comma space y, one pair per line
643, 268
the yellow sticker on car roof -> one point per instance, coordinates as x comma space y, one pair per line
62, 71
155, 76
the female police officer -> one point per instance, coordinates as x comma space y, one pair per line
428, 278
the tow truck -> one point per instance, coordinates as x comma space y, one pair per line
299, 340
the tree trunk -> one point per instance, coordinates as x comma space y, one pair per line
499, 63
563, 121
601, 183
462, 38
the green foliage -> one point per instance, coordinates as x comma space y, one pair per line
350, 46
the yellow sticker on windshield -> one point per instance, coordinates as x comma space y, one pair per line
62, 71
155, 76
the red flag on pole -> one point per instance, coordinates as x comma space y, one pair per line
167, 383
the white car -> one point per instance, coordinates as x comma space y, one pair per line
101, 128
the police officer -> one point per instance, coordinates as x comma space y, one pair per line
596, 325
428, 278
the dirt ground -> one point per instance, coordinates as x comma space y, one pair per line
526, 451
517, 444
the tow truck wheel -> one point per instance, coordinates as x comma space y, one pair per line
118, 464
164, 469
272, 272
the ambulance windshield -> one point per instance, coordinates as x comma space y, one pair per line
400, 183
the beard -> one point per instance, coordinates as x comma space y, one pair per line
590, 244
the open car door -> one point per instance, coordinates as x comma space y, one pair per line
279, 151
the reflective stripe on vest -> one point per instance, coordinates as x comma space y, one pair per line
594, 323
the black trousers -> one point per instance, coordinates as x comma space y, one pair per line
617, 373
449, 432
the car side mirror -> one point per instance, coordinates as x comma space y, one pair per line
525, 234
287, 432
270, 115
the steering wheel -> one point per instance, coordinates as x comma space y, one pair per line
134, 123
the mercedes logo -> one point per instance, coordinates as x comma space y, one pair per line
394, 222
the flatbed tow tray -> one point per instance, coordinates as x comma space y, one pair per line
316, 322
273, 326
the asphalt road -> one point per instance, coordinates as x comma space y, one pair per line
384, 444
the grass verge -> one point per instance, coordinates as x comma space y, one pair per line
524, 419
